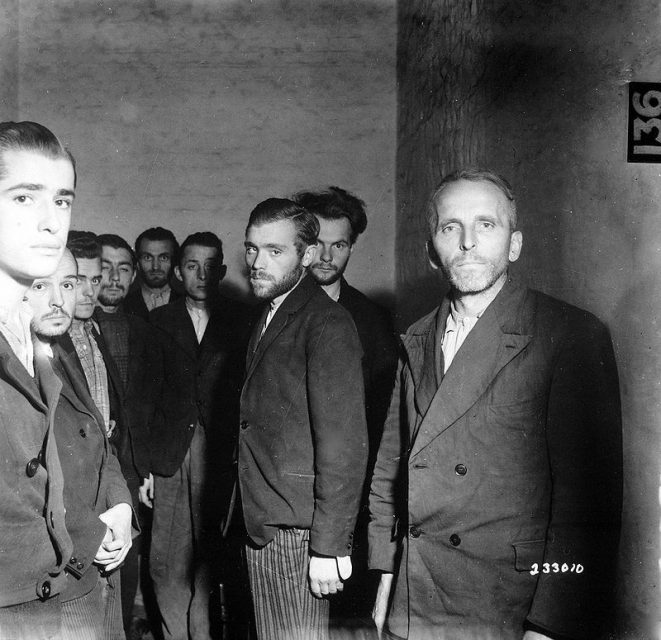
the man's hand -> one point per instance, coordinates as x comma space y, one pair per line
327, 575
146, 491
117, 541
381, 603
533, 635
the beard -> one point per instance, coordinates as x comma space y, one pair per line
267, 287
325, 275
112, 297
155, 279
51, 325
479, 277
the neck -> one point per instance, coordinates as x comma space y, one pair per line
108, 308
472, 304
12, 291
197, 304
149, 289
333, 290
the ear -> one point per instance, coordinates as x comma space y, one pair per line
432, 256
222, 271
309, 255
516, 242
177, 272
135, 273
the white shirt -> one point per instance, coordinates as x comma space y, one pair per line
200, 318
457, 329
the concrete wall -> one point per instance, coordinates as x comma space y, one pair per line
538, 92
187, 113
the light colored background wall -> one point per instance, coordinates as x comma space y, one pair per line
538, 91
187, 113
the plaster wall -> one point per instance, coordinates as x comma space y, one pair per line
187, 113
538, 91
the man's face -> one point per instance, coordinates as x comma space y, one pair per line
53, 299
200, 271
473, 239
36, 194
89, 284
155, 262
333, 250
274, 262
117, 275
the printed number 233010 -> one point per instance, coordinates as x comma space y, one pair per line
554, 567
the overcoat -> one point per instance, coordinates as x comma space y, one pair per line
509, 471
303, 440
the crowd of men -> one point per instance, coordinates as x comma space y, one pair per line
289, 470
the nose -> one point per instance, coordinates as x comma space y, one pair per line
50, 218
114, 274
256, 260
324, 253
56, 299
86, 289
202, 274
467, 239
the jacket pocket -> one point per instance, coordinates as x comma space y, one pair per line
527, 553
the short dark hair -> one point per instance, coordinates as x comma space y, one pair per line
32, 136
335, 203
84, 244
275, 209
158, 234
202, 239
472, 175
116, 242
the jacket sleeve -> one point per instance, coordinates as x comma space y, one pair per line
382, 531
575, 584
339, 433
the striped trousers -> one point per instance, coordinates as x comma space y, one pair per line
285, 608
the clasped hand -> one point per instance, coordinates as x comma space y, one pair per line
327, 575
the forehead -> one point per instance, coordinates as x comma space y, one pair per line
89, 267
466, 196
338, 229
156, 247
280, 232
115, 255
33, 167
198, 253
66, 269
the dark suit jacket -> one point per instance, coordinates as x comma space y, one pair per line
302, 444
134, 303
93, 480
201, 383
511, 472
380, 350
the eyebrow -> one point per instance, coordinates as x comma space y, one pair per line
33, 186
271, 245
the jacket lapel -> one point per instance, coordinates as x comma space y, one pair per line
292, 303
491, 345
184, 332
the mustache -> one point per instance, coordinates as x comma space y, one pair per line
260, 275
56, 314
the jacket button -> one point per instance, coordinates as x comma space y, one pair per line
244, 424
83, 433
460, 469
415, 531
80, 565
45, 589
31, 467
455, 540
73, 560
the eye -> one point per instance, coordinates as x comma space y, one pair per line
165, 258
449, 228
486, 224
250, 250
63, 203
276, 252
23, 199
68, 286
96, 279
38, 286
105, 267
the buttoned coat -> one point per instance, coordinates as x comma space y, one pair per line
302, 443
201, 384
37, 537
508, 469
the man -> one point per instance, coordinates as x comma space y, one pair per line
37, 181
128, 341
156, 249
342, 219
202, 339
84, 459
504, 436
302, 443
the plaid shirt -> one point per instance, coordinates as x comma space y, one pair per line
82, 336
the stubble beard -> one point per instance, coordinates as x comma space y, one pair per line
268, 288
112, 300
325, 278
475, 280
